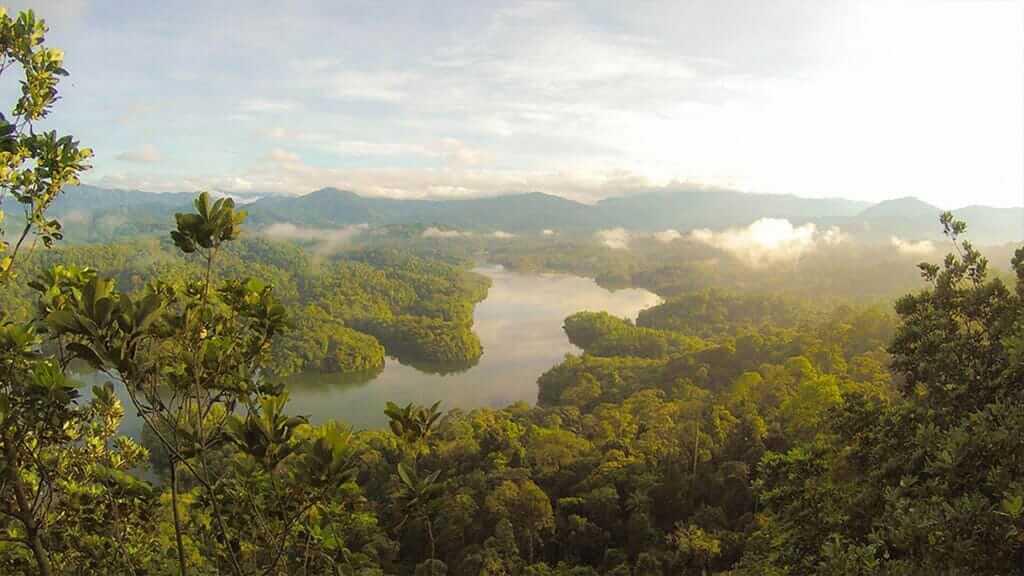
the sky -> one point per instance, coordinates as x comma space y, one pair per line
864, 99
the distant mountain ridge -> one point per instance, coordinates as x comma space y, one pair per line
687, 209
92, 213
333, 207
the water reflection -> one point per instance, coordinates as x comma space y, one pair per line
313, 380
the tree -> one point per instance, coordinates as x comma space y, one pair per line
34, 167
928, 484
414, 499
527, 507
191, 358
413, 424
40, 419
694, 547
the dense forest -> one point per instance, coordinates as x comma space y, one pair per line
348, 311
747, 431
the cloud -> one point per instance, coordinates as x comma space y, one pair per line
284, 171
911, 248
776, 97
614, 238
161, 183
458, 154
667, 236
259, 105
237, 184
454, 153
768, 240
284, 157
326, 241
148, 154
362, 148
380, 86
620, 238
435, 232
834, 236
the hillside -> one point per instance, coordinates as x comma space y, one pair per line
333, 207
686, 209
93, 214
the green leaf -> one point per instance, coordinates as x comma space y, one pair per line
403, 473
63, 321
1013, 505
87, 353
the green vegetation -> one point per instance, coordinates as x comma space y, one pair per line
722, 434
830, 274
713, 313
929, 484
602, 334
352, 308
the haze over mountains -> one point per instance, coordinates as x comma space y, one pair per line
90, 212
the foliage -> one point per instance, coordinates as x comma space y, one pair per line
424, 308
602, 334
722, 433
929, 484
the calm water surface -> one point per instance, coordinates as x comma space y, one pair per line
520, 327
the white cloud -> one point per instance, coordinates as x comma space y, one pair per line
768, 240
147, 154
257, 105
615, 238
833, 236
284, 171
911, 248
238, 184
163, 183
434, 232
326, 241
382, 86
459, 155
364, 148
282, 156
454, 153
667, 236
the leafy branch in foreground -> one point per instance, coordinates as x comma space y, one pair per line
191, 358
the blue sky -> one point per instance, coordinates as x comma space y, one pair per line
862, 99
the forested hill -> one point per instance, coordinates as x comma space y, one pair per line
97, 214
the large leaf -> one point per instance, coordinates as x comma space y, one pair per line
62, 321
406, 477
87, 353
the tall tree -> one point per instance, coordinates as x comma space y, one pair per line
39, 415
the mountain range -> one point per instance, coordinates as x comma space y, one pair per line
91, 213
